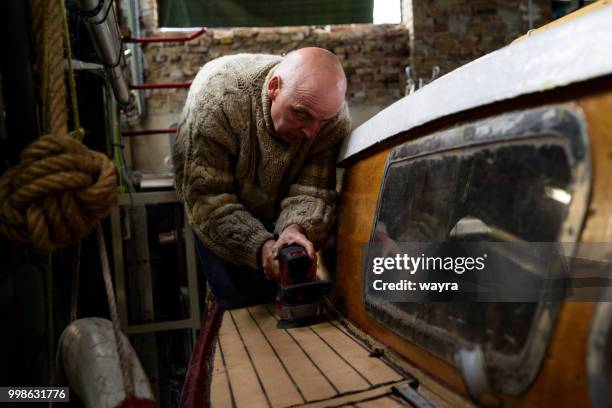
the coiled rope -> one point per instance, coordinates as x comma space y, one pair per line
61, 188
56, 194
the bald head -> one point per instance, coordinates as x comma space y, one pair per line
312, 67
306, 90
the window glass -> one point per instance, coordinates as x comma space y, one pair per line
502, 186
515, 183
259, 13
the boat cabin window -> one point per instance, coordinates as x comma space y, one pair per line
519, 177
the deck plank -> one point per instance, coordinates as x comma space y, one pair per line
353, 398
248, 391
277, 381
374, 369
344, 377
220, 391
258, 365
312, 383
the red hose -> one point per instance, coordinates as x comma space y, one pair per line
132, 401
176, 38
196, 388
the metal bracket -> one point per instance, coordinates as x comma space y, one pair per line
193, 322
79, 65
413, 84
409, 392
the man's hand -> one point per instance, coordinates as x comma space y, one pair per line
268, 260
294, 234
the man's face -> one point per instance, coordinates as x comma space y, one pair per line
300, 113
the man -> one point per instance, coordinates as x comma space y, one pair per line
255, 154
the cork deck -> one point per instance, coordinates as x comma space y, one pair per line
258, 365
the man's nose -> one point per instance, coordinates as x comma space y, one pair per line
311, 131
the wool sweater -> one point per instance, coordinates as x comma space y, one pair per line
234, 174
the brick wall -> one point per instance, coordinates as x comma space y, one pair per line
373, 56
447, 33
450, 33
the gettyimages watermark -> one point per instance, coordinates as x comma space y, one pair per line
488, 271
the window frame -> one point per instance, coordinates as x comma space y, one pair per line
512, 374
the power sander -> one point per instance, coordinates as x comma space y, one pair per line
300, 293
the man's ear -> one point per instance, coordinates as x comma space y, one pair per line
274, 86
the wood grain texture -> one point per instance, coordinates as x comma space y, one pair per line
344, 377
361, 186
351, 399
280, 386
434, 391
562, 380
221, 391
373, 369
258, 365
598, 111
246, 385
312, 383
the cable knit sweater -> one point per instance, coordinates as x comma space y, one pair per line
233, 171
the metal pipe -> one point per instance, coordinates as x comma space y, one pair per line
176, 38
102, 26
133, 11
121, 88
101, 22
530, 13
148, 132
162, 85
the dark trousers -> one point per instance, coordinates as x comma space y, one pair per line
234, 286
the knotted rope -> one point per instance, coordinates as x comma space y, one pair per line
56, 194
61, 188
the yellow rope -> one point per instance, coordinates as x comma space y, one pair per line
57, 193
39, 28
57, 112
60, 188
